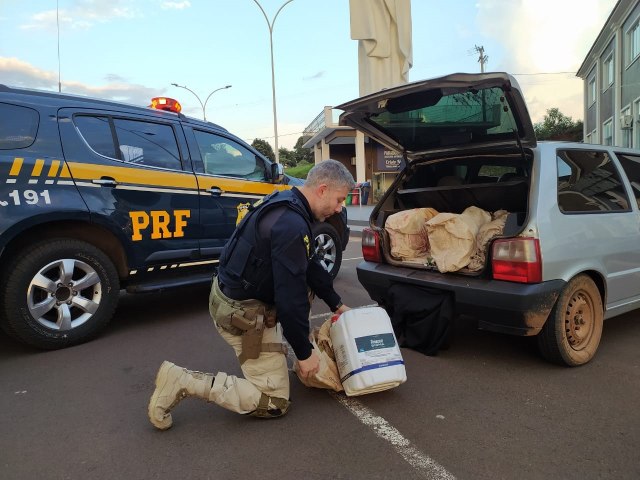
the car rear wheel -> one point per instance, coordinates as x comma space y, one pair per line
327, 247
573, 330
58, 293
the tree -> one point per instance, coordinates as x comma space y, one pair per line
287, 157
264, 148
303, 154
558, 126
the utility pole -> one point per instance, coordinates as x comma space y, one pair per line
482, 58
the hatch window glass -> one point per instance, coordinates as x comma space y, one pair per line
588, 181
18, 126
631, 166
434, 118
222, 156
147, 143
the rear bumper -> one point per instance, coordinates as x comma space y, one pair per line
506, 307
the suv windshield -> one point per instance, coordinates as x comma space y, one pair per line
439, 118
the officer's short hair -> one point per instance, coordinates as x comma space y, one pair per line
331, 172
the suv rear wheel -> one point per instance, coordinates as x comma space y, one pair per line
58, 293
328, 247
573, 330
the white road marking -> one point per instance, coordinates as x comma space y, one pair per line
354, 258
422, 463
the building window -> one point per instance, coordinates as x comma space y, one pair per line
607, 72
607, 132
633, 42
626, 126
591, 92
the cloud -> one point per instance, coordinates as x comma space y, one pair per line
18, 73
538, 39
315, 76
175, 5
81, 14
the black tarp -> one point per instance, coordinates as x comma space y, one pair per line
422, 318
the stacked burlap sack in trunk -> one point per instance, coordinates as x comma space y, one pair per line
452, 241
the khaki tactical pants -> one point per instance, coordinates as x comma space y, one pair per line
267, 374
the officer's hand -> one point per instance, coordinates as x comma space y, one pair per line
310, 366
343, 308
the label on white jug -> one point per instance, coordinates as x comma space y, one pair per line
371, 350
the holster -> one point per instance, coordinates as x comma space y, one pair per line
247, 318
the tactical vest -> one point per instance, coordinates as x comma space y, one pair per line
246, 260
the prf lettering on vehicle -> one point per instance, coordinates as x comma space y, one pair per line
158, 221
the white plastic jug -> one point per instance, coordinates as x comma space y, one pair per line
366, 351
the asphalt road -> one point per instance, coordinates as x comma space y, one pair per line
487, 408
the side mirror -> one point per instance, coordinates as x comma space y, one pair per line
277, 173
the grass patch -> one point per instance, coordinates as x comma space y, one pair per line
300, 170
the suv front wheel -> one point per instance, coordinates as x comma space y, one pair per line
58, 293
573, 330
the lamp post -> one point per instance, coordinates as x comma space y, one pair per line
203, 105
273, 76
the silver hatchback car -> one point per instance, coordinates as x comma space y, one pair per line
569, 253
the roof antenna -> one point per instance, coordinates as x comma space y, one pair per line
58, 28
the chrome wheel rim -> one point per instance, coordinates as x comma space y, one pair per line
64, 294
326, 251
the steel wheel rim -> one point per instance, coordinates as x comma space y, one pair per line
64, 294
579, 320
326, 251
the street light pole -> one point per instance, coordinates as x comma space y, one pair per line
273, 75
203, 105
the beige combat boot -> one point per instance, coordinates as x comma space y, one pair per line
173, 383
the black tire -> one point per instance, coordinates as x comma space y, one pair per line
58, 293
573, 330
328, 247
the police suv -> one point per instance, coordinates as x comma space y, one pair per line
97, 196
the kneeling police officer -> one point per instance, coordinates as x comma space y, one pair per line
262, 292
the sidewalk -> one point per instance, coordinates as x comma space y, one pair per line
358, 217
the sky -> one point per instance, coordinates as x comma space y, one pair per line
133, 50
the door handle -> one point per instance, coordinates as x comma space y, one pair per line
105, 182
215, 191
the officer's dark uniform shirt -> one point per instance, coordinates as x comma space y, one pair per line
294, 268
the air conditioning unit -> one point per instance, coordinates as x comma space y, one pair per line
626, 121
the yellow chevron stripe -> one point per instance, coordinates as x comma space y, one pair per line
237, 185
17, 165
65, 173
53, 169
37, 168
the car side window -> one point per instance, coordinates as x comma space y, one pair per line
588, 181
631, 166
147, 143
18, 126
222, 156
139, 142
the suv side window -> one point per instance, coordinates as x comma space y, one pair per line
139, 142
589, 181
18, 126
147, 143
631, 166
222, 156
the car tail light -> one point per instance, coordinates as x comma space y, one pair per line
517, 260
166, 103
371, 246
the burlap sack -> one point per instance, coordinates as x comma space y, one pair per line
486, 232
452, 237
408, 234
327, 376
